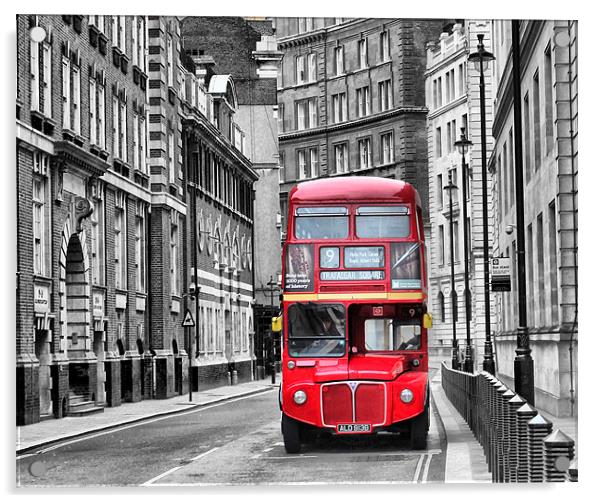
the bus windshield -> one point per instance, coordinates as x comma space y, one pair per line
382, 222
316, 330
388, 334
329, 222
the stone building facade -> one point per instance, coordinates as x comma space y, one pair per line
453, 100
550, 174
103, 255
351, 99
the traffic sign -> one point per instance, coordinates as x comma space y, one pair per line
500, 274
188, 320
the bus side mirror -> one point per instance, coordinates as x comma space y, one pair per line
427, 320
277, 324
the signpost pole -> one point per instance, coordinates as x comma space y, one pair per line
188, 323
189, 364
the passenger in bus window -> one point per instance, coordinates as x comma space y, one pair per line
328, 328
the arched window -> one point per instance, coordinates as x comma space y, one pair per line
441, 299
243, 255
210, 243
201, 234
236, 254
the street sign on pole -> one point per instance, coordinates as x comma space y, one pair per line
500, 274
188, 320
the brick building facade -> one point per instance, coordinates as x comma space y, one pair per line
103, 231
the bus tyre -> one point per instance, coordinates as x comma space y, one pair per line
290, 434
419, 429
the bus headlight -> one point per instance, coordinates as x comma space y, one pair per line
299, 397
406, 395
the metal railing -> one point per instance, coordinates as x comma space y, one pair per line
520, 444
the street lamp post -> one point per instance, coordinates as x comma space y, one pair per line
450, 186
481, 59
463, 145
523, 361
273, 287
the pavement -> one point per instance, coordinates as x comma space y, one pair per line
465, 461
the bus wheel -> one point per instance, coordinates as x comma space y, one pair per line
290, 433
419, 429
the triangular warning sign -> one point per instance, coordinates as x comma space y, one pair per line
188, 320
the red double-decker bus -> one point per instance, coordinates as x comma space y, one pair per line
354, 345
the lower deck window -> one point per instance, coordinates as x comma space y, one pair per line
388, 334
316, 330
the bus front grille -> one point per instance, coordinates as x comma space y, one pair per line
353, 402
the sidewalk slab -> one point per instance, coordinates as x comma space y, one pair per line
53, 430
465, 459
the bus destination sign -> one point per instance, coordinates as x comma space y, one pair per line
352, 275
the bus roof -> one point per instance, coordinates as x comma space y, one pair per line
354, 188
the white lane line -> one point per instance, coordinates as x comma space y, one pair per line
426, 468
158, 477
418, 467
203, 454
144, 422
289, 457
175, 468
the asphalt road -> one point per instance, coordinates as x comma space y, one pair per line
236, 442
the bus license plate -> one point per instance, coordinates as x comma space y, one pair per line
354, 428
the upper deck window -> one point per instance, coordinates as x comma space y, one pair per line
327, 222
382, 222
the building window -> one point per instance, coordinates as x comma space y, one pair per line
339, 107
549, 104
536, 121
440, 191
511, 166
174, 275
505, 176
541, 280
281, 118
97, 110
98, 21
140, 249
120, 243
527, 137
97, 220
41, 102
461, 79
306, 112
313, 162
438, 142
312, 66
456, 242
384, 46
118, 32
530, 261
553, 262
139, 42
301, 165
300, 69
123, 130
386, 148
41, 241
119, 126
341, 158
385, 95
171, 157
139, 141
363, 101
170, 65
441, 246
441, 299
362, 50
365, 153
71, 95
339, 60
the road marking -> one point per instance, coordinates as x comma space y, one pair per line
204, 454
281, 483
418, 467
290, 457
175, 468
141, 423
426, 468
